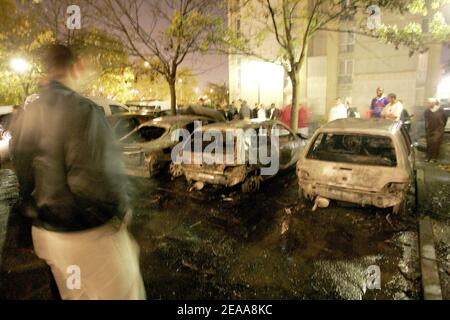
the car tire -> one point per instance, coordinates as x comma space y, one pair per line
251, 184
175, 170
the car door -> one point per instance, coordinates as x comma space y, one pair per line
289, 145
409, 147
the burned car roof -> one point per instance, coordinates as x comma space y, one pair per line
241, 124
374, 126
171, 120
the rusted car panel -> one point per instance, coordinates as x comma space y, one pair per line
216, 174
247, 174
147, 148
379, 173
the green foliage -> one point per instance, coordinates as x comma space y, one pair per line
217, 93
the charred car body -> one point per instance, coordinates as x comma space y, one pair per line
237, 166
147, 148
367, 162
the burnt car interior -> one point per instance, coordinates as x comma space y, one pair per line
144, 134
355, 149
125, 126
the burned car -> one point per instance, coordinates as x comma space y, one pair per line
366, 162
123, 123
147, 148
237, 157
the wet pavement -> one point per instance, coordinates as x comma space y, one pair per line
218, 244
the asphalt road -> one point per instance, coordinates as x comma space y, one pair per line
218, 244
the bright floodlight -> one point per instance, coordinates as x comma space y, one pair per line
443, 91
19, 65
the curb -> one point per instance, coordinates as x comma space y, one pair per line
431, 284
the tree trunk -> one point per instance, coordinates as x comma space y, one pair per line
295, 81
173, 95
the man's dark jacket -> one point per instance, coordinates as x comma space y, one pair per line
68, 164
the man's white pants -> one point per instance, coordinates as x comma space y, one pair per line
107, 259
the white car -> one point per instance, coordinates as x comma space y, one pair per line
110, 107
367, 162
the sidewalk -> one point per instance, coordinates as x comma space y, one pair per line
19, 266
436, 205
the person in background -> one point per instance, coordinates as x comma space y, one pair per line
73, 188
338, 111
351, 113
303, 118
261, 113
245, 112
378, 104
254, 111
232, 111
435, 122
270, 112
393, 110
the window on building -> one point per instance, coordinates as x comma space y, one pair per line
345, 70
348, 11
347, 42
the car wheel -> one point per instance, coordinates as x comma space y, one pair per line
175, 170
251, 184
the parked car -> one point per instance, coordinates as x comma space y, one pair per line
153, 105
123, 123
367, 162
237, 172
5, 135
110, 107
447, 112
147, 148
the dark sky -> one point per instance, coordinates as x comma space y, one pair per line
209, 68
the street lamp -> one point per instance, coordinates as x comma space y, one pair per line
19, 65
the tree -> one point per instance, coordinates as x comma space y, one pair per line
217, 93
293, 23
22, 37
161, 33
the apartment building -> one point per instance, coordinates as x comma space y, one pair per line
338, 64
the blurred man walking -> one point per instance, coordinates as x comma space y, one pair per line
435, 122
72, 188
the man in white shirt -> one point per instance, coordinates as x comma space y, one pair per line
339, 111
393, 111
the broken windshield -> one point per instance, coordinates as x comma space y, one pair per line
355, 149
144, 134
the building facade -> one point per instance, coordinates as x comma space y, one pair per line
339, 64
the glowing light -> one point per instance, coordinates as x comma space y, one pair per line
443, 90
19, 65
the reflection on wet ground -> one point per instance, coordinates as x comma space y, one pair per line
220, 244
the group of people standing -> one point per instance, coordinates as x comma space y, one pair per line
240, 110
382, 106
388, 107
